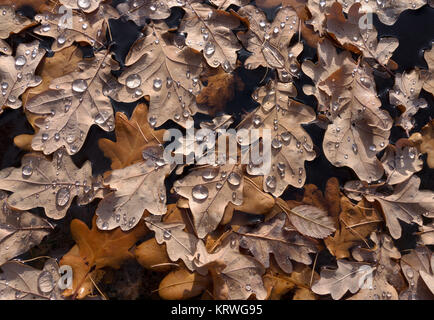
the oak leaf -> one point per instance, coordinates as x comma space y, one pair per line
84, 5
19, 230
96, 249
73, 104
132, 136
429, 82
182, 284
425, 142
11, 22
52, 185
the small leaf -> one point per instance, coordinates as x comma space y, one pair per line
312, 221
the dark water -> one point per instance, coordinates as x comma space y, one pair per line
414, 29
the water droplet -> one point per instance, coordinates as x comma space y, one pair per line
199, 192
373, 148
79, 85
20, 61
276, 143
152, 121
167, 235
157, 84
270, 182
27, 171
46, 282
44, 137
248, 287
62, 196
209, 174
83, 4
133, 81
209, 49
234, 179
354, 147
410, 273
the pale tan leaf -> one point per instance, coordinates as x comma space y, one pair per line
169, 75
22, 282
49, 184
19, 230
137, 188
312, 221
271, 237
17, 74
210, 30
75, 102
429, 82
209, 190
11, 22
269, 43
83, 5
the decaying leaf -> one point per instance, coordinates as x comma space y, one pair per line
96, 249
17, 74
386, 279
425, 142
269, 43
417, 267
73, 104
49, 184
78, 28
405, 95
291, 145
406, 202
401, 161
356, 223
272, 237
167, 73
350, 34
137, 188
359, 129
11, 22
349, 276
209, 190
179, 244
132, 136
19, 230
22, 282
235, 276
210, 30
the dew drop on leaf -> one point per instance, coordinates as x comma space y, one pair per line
199, 192
62, 196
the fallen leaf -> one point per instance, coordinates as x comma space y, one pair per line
312, 221
182, 284
132, 136
97, 249
429, 81
425, 142
84, 5
153, 256
10, 21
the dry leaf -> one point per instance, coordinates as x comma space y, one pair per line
425, 142
291, 145
401, 161
210, 30
167, 73
272, 237
83, 5
49, 184
19, 230
78, 28
426, 233
312, 221
209, 189
11, 22
97, 249
132, 136
22, 282
153, 256
137, 188
140, 10
356, 222
269, 43
17, 74
182, 284
235, 276
349, 276
407, 203
75, 102
405, 95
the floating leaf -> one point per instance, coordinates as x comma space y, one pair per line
405, 94
97, 249
75, 102
269, 43
312, 221
209, 190
349, 276
272, 237
406, 202
76, 28
168, 74
132, 136
19, 230
22, 282
291, 145
17, 74
137, 188
210, 30
49, 184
